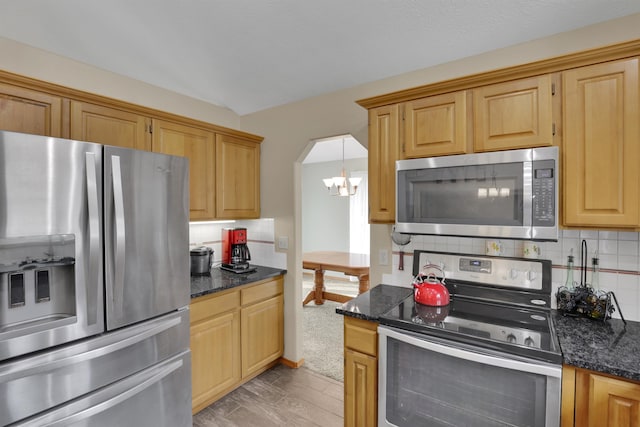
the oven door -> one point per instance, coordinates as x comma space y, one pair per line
431, 382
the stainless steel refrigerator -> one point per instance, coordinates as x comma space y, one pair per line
94, 285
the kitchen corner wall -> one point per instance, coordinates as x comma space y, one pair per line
260, 240
619, 254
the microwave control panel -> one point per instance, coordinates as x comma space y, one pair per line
544, 193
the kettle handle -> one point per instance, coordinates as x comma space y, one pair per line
432, 267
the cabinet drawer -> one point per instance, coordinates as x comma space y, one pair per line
361, 335
213, 305
263, 291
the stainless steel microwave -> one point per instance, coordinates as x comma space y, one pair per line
505, 194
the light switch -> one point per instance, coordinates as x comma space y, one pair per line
383, 257
283, 242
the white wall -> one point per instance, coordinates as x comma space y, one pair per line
325, 218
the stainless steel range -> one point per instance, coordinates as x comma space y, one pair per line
489, 358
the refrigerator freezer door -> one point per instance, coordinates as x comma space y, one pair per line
156, 397
146, 211
31, 385
51, 268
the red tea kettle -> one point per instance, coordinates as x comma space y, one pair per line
428, 290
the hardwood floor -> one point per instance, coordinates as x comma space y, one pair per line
279, 397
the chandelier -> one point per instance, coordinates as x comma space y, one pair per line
342, 185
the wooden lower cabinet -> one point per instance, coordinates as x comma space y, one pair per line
360, 373
235, 335
215, 347
599, 400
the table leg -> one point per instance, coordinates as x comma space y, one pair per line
319, 281
364, 283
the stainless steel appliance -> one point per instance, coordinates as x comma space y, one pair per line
505, 194
94, 285
201, 260
235, 252
489, 358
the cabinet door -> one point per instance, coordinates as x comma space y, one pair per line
360, 389
601, 150
602, 401
237, 178
262, 334
198, 146
436, 125
30, 111
516, 114
215, 357
384, 150
109, 126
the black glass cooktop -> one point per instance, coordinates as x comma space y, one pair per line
527, 332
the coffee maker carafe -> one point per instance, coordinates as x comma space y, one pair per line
235, 252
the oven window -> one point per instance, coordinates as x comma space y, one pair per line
426, 388
477, 195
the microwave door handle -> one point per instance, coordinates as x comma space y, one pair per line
120, 236
92, 275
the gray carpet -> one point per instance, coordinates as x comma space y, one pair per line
323, 341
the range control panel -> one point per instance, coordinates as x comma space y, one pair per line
515, 273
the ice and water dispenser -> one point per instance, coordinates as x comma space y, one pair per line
37, 280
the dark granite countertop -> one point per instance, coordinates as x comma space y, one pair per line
606, 347
375, 302
219, 280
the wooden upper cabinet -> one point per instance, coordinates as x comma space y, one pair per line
30, 111
514, 114
436, 125
198, 146
384, 150
601, 145
237, 178
104, 125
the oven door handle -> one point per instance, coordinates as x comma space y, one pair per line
486, 359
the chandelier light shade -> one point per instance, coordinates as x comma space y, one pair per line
342, 185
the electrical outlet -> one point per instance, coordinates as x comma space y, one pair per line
283, 242
383, 257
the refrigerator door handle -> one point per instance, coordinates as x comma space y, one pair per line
37, 366
120, 235
106, 398
93, 274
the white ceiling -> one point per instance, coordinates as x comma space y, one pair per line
250, 55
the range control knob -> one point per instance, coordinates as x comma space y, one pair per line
528, 341
513, 273
531, 275
511, 338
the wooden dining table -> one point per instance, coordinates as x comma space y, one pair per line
351, 264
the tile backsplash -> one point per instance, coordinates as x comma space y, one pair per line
260, 240
618, 252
